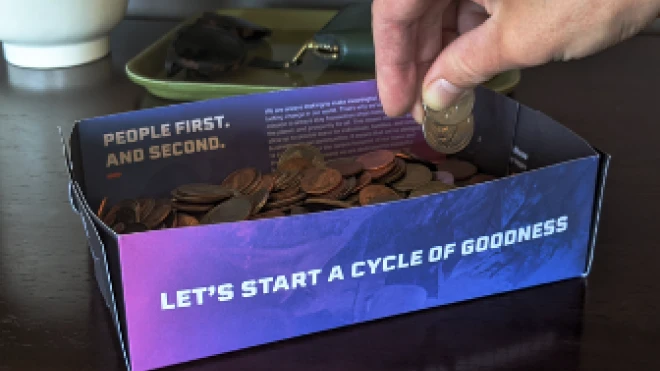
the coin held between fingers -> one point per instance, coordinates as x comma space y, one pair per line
449, 139
453, 114
441, 93
450, 131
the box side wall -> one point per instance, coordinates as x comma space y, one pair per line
77, 173
100, 240
516, 331
496, 121
106, 273
200, 291
111, 251
251, 133
541, 141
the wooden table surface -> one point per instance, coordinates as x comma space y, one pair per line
52, 316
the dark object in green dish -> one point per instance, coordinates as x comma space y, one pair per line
213, 44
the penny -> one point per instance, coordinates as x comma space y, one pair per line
411, 157
192, 208
286, 193
402, 194
349, 188
146, 206
319, 181
376, 159
405, 154
128, 211
432, 187
278, 179
293, 181
111, 216
269, 214
286, 202
127, 215
347, 166
337, 192
416, 175
199, 199
259, 199
254, 186
363, 180
460, 169
298, 210
385, 198
375, 191
101, 209
202, 193
444, 176
186, 220
283, 180
267, 182
134, 228
353, 199
129, 203
295, 164
119, 227
304, 184
171, 221
160, 211
305, 151
240, 179
232, 210
396, 174
401, 170
326, 204
381, 172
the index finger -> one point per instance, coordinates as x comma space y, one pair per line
395, 42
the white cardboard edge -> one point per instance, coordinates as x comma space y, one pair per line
76, 192
605, 164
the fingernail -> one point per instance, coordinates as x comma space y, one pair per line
440, 94
418, 113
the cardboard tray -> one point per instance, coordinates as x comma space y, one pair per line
184, 294
292, 28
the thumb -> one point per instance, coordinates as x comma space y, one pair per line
471, 59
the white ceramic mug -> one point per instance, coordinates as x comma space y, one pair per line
57, 33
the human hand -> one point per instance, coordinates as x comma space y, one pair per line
434, 50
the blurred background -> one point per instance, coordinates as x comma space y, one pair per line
177, 9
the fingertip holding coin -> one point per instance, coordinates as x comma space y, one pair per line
441, 94
450, 130
417, 112
453, 114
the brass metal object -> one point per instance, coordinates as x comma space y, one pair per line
324, 51
449, 131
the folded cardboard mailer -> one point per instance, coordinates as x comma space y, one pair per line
182, 294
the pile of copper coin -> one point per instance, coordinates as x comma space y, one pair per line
303, 182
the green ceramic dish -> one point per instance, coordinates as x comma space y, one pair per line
291, 29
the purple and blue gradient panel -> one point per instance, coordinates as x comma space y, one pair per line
176, 282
